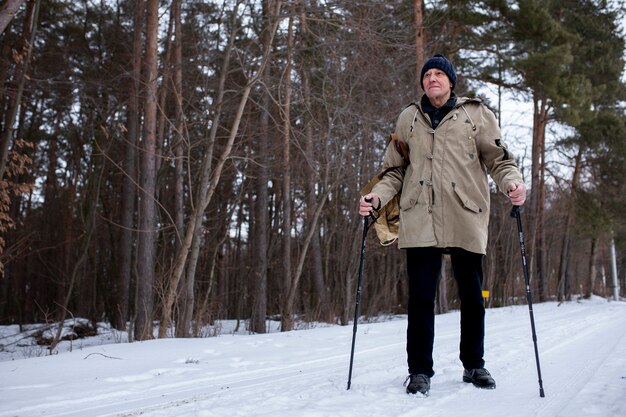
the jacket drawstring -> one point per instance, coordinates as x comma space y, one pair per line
415, 118
469, 118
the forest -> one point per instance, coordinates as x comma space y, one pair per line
167, 164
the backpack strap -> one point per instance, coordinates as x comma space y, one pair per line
402, 148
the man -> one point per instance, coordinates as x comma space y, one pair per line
454, 142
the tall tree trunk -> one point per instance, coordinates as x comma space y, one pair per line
287, 314
307, 241
183, 325
593, 272
420, 41
50, 233
537, 197
7, 12
261, 238
564, 284
146, 252
316, 269
164, 91
5, 58
91, 201
22, 56
614, 278
122, 286
542, 258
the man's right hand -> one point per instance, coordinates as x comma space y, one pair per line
368, 203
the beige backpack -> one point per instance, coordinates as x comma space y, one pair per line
387, 218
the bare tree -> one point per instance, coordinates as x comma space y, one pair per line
311, 176
209, 179
147, 203
77, 267
191, 239
22, 59
287, 306
564, 284
7, 11
270, 12
187, 289
538, 192
592, 273
420, 41
122, 285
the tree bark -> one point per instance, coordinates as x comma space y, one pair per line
183, 325
23, 56
91, 201
614, 278
316, 269
564, 284
420, 41
537, 195
147, 208
261, 238
307, 241
593, 272
7, 12
287, 314
122, 286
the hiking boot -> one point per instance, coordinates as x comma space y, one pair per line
480, 377
417, 383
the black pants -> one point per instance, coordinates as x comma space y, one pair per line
424, 270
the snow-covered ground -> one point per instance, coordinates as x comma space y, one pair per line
582, 350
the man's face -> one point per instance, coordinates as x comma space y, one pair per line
436, 84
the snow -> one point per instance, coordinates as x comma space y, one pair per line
582, 351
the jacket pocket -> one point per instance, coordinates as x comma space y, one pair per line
410, 195
465, 200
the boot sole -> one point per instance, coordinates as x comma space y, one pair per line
424, 394
470, 381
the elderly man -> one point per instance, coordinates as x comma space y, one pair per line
454, 143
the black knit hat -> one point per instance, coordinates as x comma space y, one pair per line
441, 62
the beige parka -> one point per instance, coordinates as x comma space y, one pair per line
445, 192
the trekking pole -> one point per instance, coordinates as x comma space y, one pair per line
366, 226
516, 213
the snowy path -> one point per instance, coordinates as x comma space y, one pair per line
582, 349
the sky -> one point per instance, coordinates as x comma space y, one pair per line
303, 373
